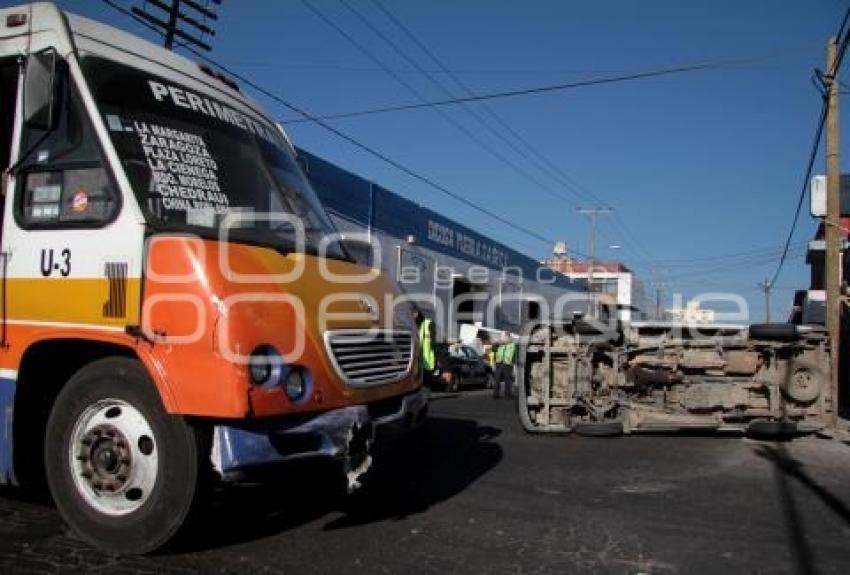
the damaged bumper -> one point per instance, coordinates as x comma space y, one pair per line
345, 434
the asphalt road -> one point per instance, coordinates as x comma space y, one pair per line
480, 496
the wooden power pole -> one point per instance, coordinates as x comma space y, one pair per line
766, 285
594, 214
833, 230
196, 14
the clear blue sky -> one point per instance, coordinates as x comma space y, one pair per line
696, 166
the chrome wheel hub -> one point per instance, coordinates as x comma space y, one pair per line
113, 457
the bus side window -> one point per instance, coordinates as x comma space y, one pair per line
8, 97
65, 179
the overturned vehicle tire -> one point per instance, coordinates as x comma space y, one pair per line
599, 428
773, 331
773, 430
663, 377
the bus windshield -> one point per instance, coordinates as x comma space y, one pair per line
196, 164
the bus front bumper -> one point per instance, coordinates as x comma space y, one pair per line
345, 434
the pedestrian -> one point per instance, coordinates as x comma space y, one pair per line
491, 357
505, 354
427, 353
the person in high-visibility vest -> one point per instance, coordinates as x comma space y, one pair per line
505, 355
427, 353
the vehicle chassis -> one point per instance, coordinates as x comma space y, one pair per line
664, 377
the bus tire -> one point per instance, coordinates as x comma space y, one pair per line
122, 472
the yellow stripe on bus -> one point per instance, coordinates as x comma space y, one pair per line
70, 300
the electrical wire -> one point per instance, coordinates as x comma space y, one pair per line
530, 153
560, 175
350, 139
740, 266
472, 136
772, 251
435, 185
844, 37
525, 149
524, 92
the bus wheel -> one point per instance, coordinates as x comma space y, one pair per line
123, 472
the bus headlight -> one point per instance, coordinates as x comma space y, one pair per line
265, 367
295, 384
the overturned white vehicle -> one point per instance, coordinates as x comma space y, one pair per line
597, 379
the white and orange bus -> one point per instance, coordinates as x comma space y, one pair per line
175, 302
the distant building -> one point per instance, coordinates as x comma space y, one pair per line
693, 312
809, 306
612, 283
457, 274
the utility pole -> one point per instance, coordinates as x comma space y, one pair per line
594, 214
833, 217
176, 12
173, 11
659, 284
766, 286
658, 292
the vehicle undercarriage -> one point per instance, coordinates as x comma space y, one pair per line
662, 376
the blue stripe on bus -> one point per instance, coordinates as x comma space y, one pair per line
7, 406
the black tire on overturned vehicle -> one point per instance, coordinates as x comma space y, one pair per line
596, 329
124, 473
774, 331
599, 428
772, 429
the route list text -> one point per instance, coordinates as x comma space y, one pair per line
183, 173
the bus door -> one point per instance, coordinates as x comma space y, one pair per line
9, 80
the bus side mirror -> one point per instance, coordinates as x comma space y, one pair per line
41, 90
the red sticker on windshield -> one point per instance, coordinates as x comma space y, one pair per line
80, 202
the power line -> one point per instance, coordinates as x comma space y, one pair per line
350, 139
844, 36
730, 256
537, 157
514, 140
523, 92
457, 125
330, 66
524, 149
529, 153
144, 23
738, 266
368, 53
631, 239
175, 15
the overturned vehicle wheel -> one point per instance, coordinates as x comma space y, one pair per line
773, 430
773, 331
806, 382
599, 428
669, 377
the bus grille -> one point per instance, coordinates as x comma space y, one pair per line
365, 358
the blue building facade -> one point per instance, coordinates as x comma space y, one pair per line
462, 275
